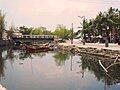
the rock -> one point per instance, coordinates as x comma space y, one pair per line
106, 53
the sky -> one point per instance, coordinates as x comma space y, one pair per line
50, 13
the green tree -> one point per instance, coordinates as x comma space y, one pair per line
46, 32
2, 24
36, 31
25, 30
40, 31
106, 24
62, 32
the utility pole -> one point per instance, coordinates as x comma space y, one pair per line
72, 34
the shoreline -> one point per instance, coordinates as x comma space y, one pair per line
94, 49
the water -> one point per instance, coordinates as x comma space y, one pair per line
54, 71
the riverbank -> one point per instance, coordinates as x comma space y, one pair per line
2, 88
96, 49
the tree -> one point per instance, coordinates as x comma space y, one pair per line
62, 32
40, 31
36, 31
85, 28
25, 30
106, 24
2, 24
46, 32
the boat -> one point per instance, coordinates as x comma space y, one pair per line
33, 48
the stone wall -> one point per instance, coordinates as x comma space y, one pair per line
107, 53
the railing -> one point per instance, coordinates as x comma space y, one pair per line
34, 36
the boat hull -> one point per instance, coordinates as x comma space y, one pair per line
36, 49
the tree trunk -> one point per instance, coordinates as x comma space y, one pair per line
106, 42
83, 41
106, 39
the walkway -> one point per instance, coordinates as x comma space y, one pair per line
94, 45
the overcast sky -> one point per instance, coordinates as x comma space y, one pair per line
50, 13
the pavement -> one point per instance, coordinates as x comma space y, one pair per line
111, 46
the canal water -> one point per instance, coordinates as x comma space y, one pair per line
54, 70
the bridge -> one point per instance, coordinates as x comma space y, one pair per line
33, 38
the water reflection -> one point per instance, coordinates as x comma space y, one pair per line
68, 68
60, 58
24, 55
5, 53
110, 78
2, 65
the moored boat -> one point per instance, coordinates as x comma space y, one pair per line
32, 48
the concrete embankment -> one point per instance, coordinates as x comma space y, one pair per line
92, 49
2, 88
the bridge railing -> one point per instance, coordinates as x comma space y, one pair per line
34, 36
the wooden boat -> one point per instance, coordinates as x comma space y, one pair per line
32, 48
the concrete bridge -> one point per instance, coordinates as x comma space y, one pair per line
33, 38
